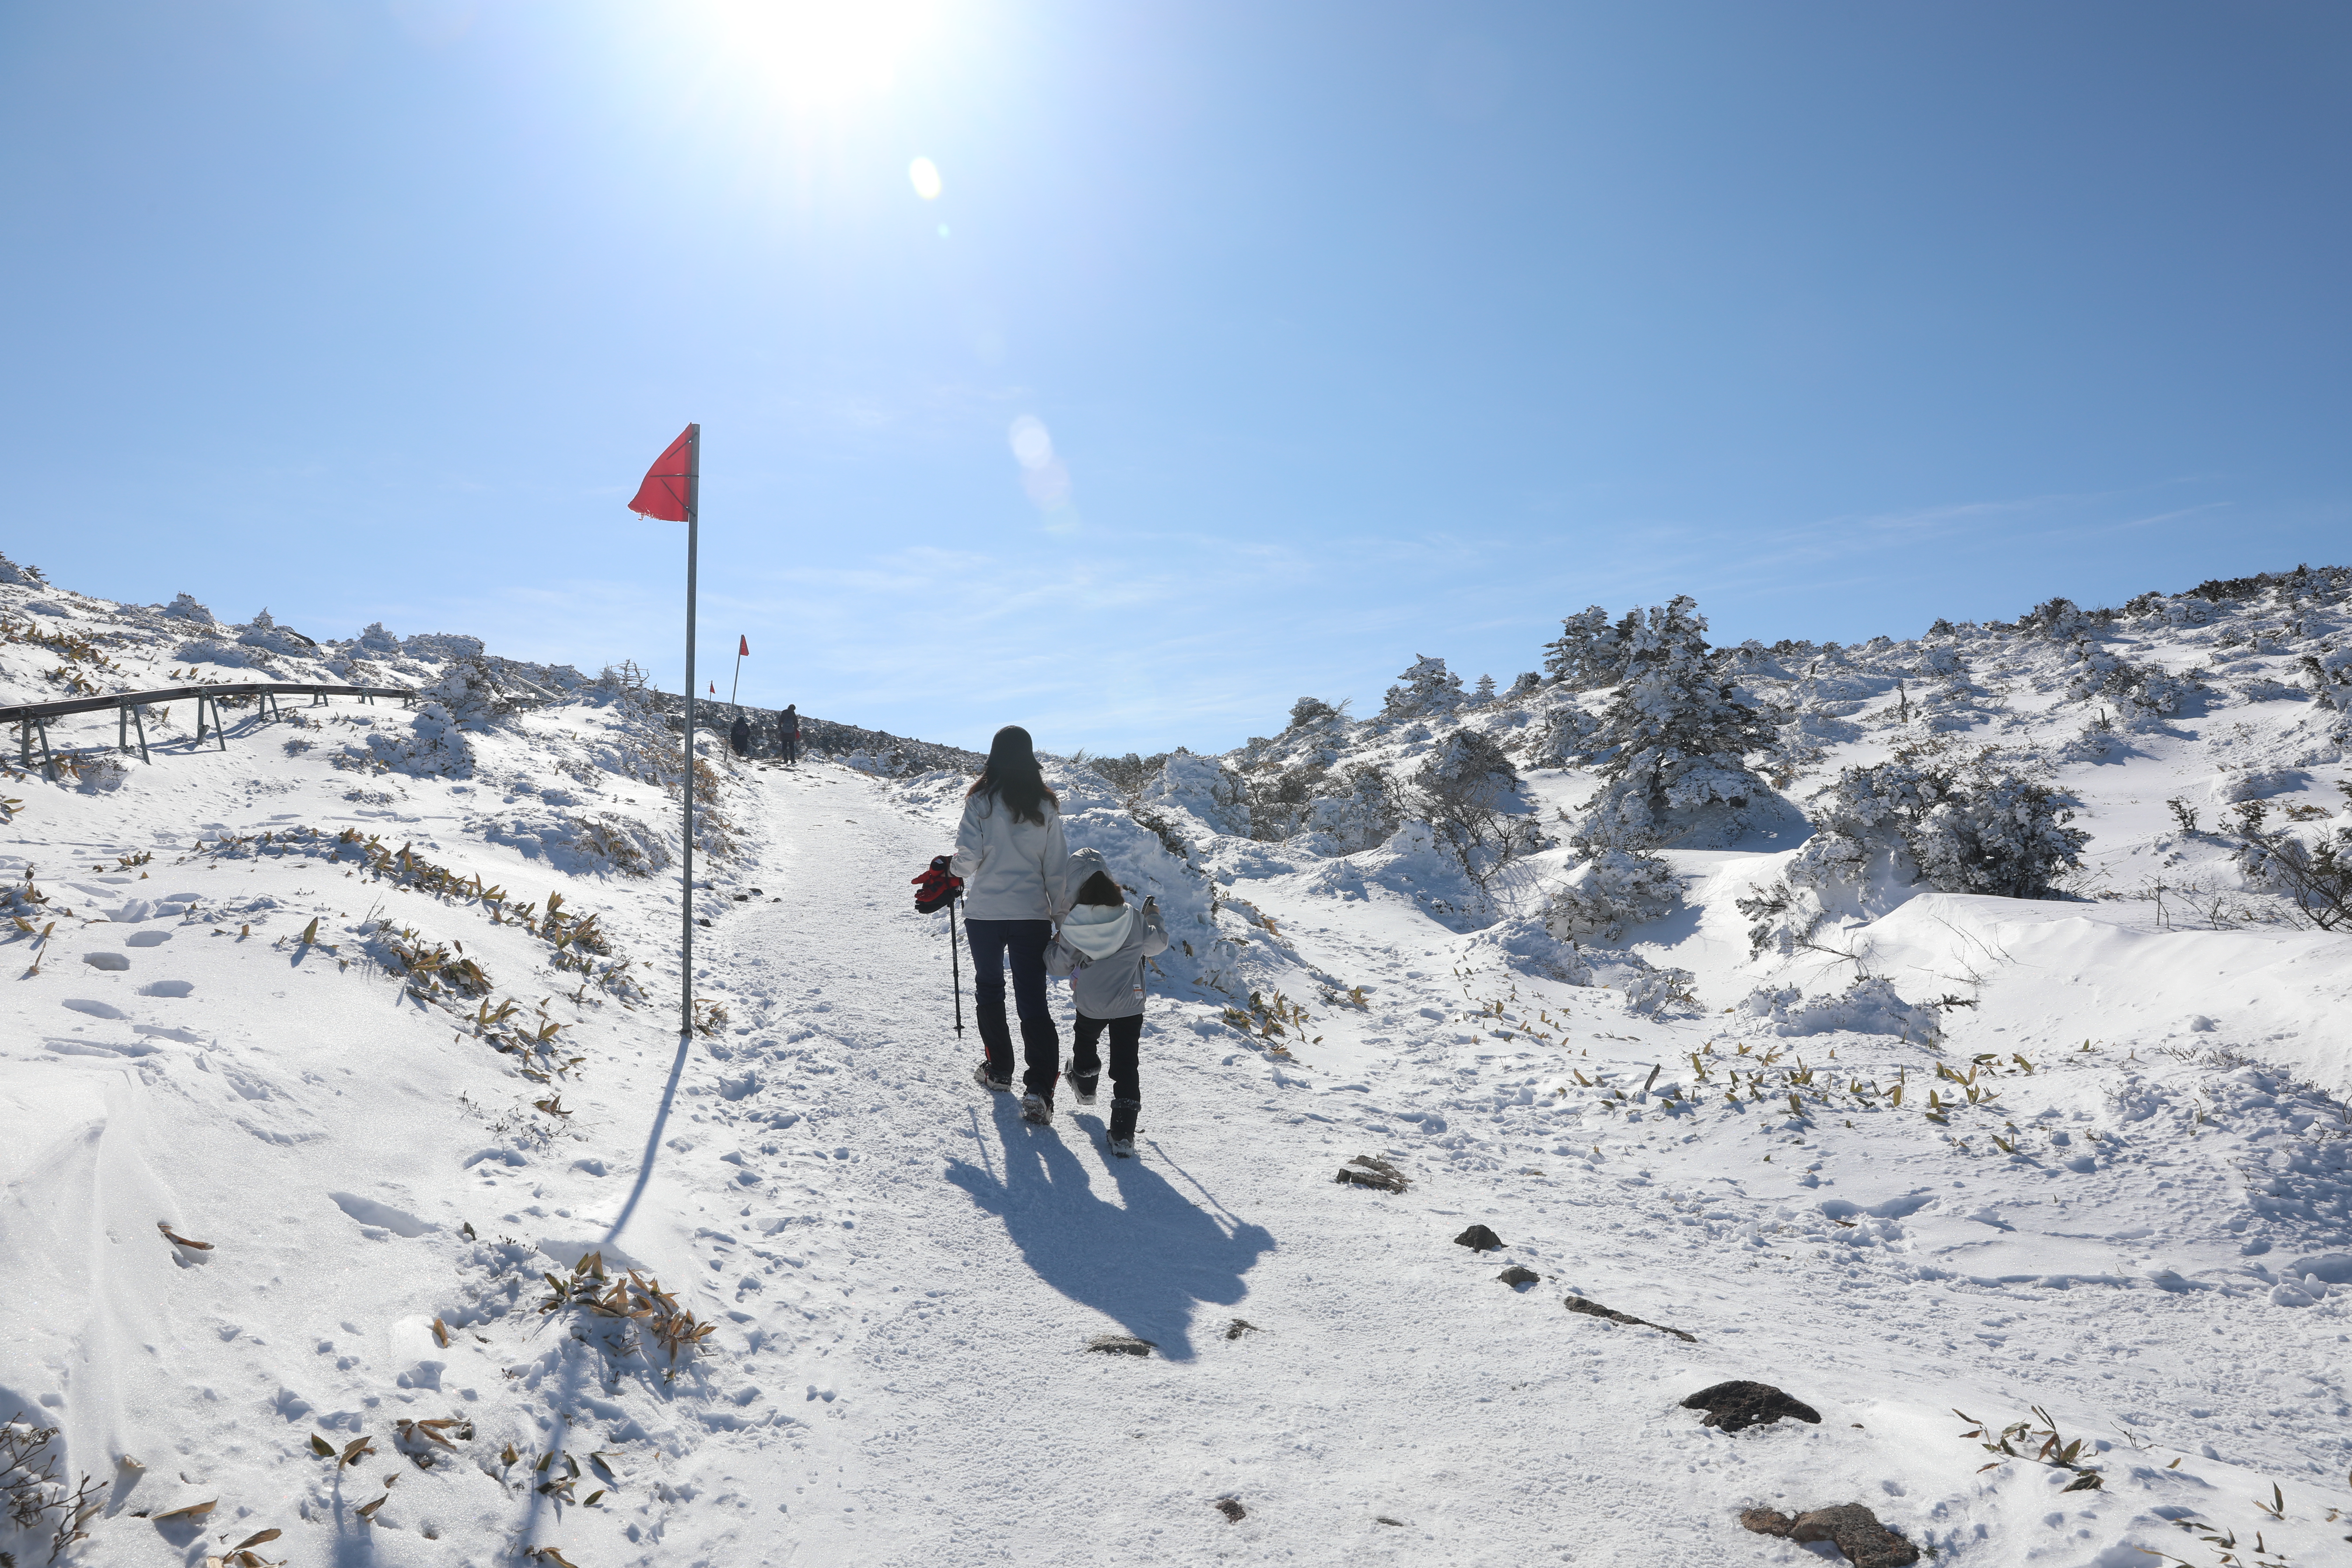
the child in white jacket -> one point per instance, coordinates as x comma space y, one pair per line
1101, 949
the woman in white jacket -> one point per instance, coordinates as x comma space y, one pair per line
1013, 861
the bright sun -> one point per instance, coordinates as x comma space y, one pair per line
815, 52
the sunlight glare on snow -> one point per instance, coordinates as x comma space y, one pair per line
926, 177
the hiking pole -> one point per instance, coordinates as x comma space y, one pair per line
955, 968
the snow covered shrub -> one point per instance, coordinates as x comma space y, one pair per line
1528, 944
469, 694
1674, 739
1782, 918
2314, 874
25, 577
1130, 774
1529, 683
1982, 831
1468, 791
267, 634
441, 646
2328, 677
2057, 620
1651, 990
1868, 1006
1308, 711
1589, 651
1569, 735
2141, 691
186, 608
100, 775
1428, 689
1203, 789
1608, 892
1354, 810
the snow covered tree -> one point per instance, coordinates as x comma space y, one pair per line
1529, 683
1468, 792
1975, 831
1607, 892
1674, 740
1484, 692
1312, 710
186, 608
1428, 691
1589, 651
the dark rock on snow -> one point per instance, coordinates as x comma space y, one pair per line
1517, 1275
1478, 1238
1595, 1309
1739, 1405
1852, 1528
1231, 1506
1121, 1345
1241, 1326
1367, 1171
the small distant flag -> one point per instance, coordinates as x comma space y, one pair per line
744, 648
714, 689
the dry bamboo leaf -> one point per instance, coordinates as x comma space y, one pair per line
192, 1510
321, 1447
549, 1554
367, 1510
178, 1240
358, 1448
257, 1540
441, 1332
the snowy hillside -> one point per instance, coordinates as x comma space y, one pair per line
1955, 1025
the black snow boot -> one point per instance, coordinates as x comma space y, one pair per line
1122, 1127
1082, 1084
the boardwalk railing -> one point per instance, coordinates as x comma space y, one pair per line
32, 718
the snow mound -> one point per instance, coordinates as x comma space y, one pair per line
1868, 1006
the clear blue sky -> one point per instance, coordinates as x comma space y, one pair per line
1355, 330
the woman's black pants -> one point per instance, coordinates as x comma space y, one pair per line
1023, 941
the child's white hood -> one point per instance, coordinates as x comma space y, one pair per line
1096, 929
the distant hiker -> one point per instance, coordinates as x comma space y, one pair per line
739, 734
1014, 860
788, 734
1101, 949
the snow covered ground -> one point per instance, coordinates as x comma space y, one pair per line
381, 1005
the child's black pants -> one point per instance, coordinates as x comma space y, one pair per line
1126, 1038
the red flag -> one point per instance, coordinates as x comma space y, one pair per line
744, 647
664, 493
714, 689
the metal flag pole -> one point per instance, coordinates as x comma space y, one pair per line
693, 514
735, 692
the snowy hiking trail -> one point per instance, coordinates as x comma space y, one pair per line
1388, 1376
309, 999
904, 1275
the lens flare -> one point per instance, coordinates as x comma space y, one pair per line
1031, 443
925, 175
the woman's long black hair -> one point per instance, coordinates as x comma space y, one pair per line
1013, 777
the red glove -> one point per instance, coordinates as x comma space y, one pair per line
936, 887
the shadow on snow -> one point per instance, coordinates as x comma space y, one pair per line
1143, 1260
